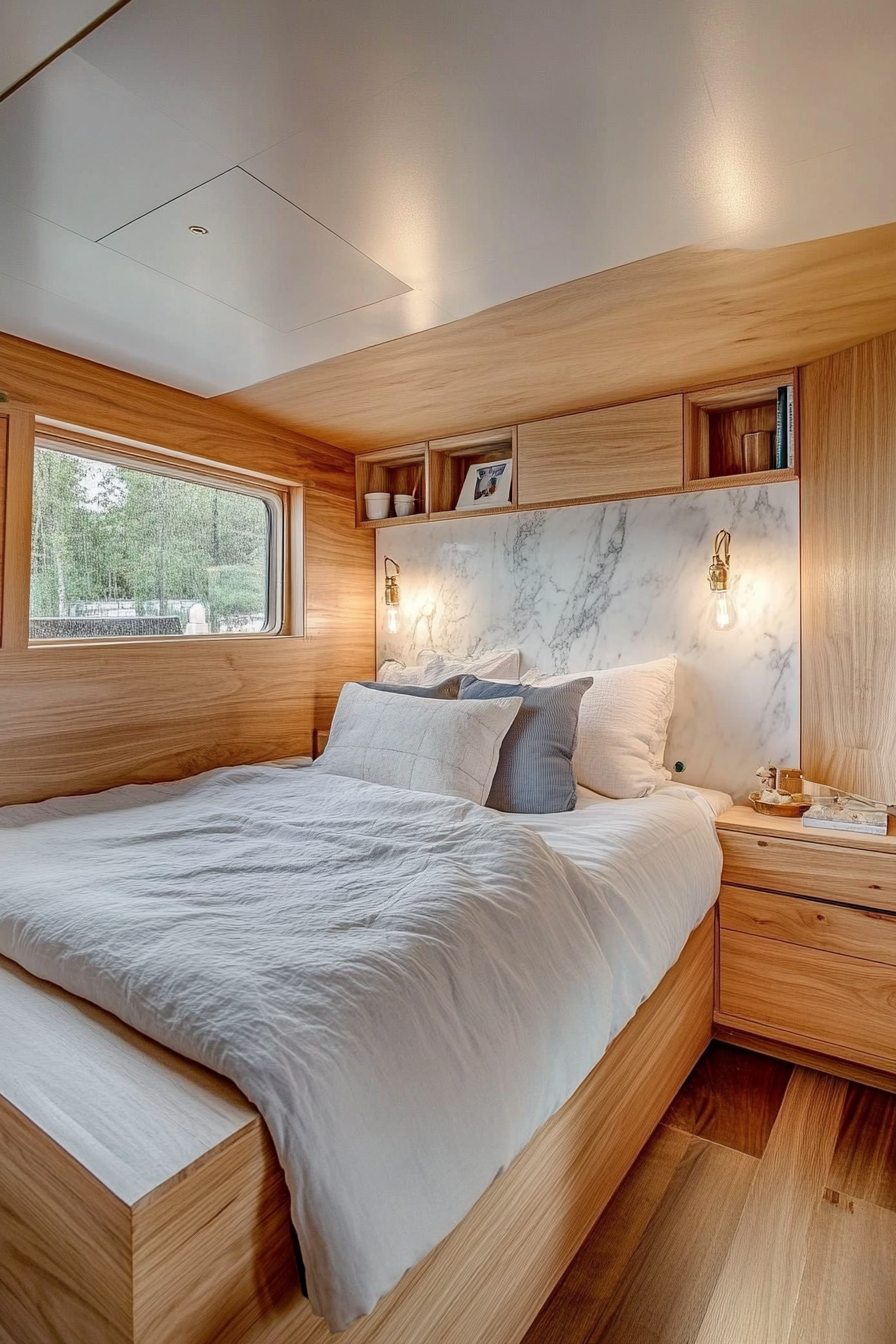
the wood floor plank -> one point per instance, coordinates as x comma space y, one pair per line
864, 1164
848, 1291
583, 1294
732, 1097
662, 1295
756, 1294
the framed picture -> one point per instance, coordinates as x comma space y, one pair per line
487, 485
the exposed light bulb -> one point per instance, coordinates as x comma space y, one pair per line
724, 614
392, 596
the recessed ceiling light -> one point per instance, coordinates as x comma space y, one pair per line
198, 229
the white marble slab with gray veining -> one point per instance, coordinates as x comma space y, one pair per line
600, 585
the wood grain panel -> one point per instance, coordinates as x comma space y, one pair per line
732, 1097
215, 1231
838, 1000
848, 507
634, 449
847, 1290
756, 1294
864, 1164
82, 717
750, 1036
744, 818
854, 876
671, 1277
16, 529
586, 1290
93, 396
680, 320
830, 928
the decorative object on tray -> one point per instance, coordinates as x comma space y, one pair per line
844, 813
779, 795
376, 504
774, 804
486, 485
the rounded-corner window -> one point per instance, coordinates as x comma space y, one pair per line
126, 550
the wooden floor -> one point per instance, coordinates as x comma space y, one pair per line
762, 1211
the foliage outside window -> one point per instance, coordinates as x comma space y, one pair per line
121, 551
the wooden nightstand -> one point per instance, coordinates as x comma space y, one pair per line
807, 944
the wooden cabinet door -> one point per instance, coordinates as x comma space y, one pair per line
621, 450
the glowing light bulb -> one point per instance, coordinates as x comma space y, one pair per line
393, 619
724, 614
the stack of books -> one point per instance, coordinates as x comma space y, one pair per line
783, 450
845, 814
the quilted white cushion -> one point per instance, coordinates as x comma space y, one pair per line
449, 747
623, 724
432, 667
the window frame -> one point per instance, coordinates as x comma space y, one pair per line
283, 501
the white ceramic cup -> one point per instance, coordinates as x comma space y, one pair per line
376, 504
404, 506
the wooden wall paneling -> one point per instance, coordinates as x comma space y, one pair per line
620, 450
16, 529
87, 716
848, 523
92, 396
683, 319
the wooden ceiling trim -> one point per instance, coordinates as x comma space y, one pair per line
67, 388
679, 320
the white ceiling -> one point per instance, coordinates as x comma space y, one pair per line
403, 162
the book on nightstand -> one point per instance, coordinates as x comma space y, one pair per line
835, 815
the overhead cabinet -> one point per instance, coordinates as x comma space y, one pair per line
621, 450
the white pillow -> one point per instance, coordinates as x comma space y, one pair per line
623, 724
449, 747
432, 667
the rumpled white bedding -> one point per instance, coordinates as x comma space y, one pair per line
406, 986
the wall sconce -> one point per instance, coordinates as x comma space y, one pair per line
723, 613
393, 596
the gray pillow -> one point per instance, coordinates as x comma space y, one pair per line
535, 771
445, 690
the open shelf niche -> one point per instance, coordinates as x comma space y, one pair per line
400, 471
449, 461
715, 421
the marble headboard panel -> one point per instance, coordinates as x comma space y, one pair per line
599, 585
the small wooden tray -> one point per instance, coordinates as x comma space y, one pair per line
801, 803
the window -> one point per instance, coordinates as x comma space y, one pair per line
125, 550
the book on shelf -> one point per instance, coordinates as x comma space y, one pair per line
789, 427
780, 454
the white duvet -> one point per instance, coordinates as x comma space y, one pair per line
405, 986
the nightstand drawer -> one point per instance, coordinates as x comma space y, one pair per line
855, 876
837, 1001
869, 934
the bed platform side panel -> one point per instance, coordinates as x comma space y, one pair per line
206, 1256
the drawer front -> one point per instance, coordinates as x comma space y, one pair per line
830, 928
855, 876
837, 1000
622, 450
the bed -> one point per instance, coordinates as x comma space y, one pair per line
174, 1224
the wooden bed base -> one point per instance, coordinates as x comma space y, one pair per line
141, 1202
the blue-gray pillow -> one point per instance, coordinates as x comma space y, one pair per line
445, 690
535, 771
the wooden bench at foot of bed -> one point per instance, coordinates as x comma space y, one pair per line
141, 1202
